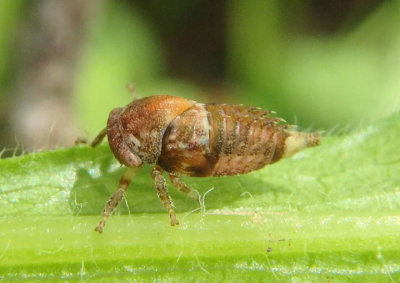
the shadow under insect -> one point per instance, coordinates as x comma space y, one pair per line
96, 182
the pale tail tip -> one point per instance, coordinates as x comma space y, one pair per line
314, 139
296, 141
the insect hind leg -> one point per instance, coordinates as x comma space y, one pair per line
182, 187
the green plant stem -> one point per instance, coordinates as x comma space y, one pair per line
328, 213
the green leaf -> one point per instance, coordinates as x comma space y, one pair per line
329, 213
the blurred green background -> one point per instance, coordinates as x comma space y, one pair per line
64, 64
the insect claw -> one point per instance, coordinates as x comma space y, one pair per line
174, 221
100, 226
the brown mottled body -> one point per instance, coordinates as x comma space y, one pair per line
183, 137
135, 131
217, 140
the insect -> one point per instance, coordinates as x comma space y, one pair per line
186, 138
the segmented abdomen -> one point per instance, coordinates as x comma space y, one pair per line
216, 140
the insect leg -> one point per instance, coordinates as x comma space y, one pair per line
97, 140
162, 192
182, 187
117, 196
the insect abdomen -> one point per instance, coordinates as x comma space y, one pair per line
244, 139
216, 140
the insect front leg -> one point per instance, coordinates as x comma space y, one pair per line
161, 187
116, 197
182, 187
97, 140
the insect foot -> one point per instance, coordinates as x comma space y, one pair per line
116, 197
186, 138
163, 194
